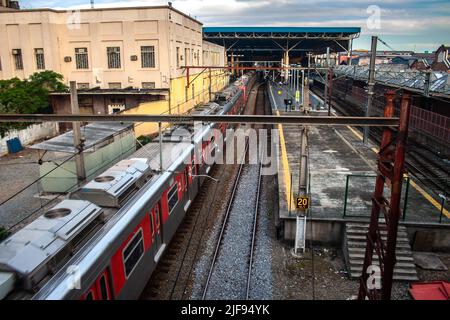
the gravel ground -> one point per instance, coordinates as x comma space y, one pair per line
321, 276
261, 276
16, 172
431, 275
230, 271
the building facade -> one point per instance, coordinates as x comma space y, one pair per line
9, 5
119, 57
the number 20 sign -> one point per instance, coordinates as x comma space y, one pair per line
302, 203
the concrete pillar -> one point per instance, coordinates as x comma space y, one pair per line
286, 63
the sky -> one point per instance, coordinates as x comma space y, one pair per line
417, 25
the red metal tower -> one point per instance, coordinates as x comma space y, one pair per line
391, 158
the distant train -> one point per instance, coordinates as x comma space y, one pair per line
104, 241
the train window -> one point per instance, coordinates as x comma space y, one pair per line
152, 231
172, 197
133, 253
187, 174
89, 296
194, 167
157, 215
103, 288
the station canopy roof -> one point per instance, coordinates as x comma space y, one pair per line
273, 41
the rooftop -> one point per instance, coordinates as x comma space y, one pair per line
94, 134
292, 30
108, 9
271, 42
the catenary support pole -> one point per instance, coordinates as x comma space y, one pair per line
373, 55
77, 139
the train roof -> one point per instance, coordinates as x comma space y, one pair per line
28, 251
49, 240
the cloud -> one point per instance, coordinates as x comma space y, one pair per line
401, 18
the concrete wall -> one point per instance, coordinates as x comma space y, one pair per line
423, 237
329, 232
60, 32
29, 135
429, 238
155, 107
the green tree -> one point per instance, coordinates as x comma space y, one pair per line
3, 234
28, 96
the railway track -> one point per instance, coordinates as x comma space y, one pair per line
424, 164
230, 272
173, 277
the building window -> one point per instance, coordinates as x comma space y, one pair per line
133, 253
113, 54
81, 58
148, 85
116, 105
115, 85
82, 85
198, 57
40, 62
172, 197
18, 62
178, 57
148, 57
186, 56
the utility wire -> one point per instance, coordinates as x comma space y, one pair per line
37, 180
379, 39
70, 158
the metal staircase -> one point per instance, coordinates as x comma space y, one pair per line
355, 248
381, 242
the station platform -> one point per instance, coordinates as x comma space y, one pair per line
342, 173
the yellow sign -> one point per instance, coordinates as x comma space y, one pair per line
302, 203
280, 92
297, 96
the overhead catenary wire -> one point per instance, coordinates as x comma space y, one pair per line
58, 196
59, 165
37, 180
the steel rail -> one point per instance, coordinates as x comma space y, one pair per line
225, 222
192, 119
255, 225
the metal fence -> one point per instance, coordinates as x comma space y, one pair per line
415, 208
431, 123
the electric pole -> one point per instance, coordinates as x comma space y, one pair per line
77, 139
371, 84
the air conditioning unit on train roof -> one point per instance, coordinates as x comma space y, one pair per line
116, 185
38, 249
208, 108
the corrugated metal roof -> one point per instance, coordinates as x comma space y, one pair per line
350, 30
396, 75
94, 134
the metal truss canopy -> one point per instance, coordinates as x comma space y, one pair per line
427, 83
193, 119
272, 39
297, 33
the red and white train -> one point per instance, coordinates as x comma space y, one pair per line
104, 241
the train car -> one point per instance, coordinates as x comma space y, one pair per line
104, 241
